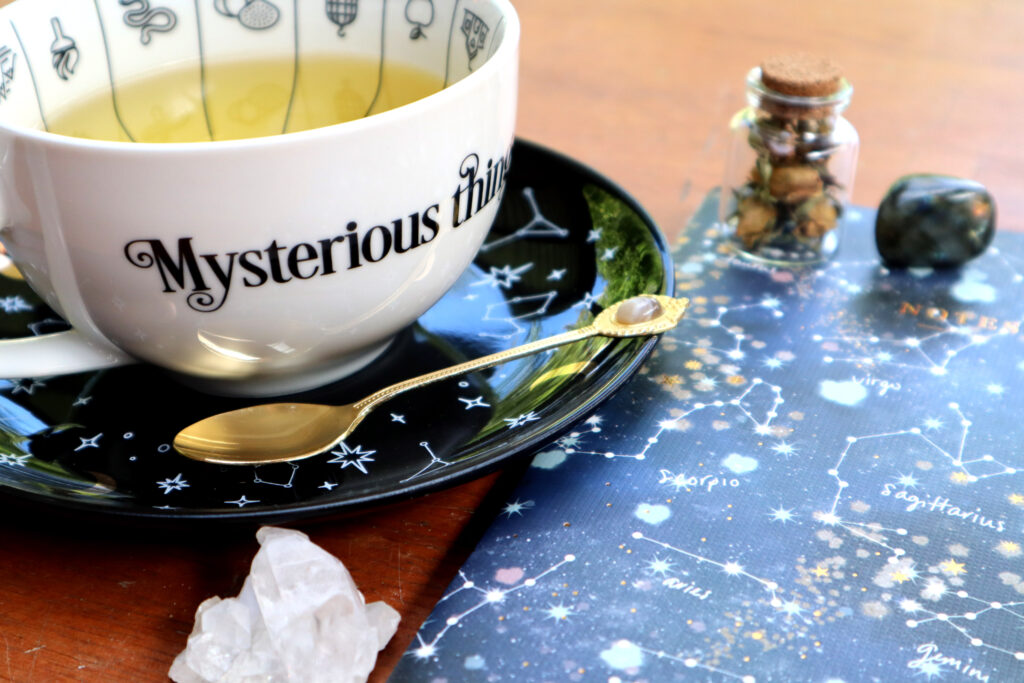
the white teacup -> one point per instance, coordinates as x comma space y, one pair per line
263, 265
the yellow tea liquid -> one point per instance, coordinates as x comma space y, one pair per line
245, 99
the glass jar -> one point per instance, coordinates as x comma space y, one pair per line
790, 170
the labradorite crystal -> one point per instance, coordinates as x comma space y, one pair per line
934, 220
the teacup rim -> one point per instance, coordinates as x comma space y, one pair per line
508, 49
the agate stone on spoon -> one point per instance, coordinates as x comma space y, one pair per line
283, 432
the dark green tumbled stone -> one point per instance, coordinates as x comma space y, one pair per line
934, 220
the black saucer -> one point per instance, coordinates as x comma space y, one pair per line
566, 242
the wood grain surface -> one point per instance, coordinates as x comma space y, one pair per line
642, 91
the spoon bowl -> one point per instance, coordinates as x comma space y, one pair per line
284, 432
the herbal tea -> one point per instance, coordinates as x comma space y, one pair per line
245, 99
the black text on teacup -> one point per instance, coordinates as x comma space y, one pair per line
207, 279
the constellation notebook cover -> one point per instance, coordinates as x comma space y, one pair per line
814, 478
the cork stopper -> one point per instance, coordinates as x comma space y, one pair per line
788, 79
802, 75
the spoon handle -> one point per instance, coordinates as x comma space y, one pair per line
477, 364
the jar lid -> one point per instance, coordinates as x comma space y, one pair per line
802, 75
799, 86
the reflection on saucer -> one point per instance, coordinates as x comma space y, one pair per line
7, 267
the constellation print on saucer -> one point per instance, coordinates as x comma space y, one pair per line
240, 502
503, 277
14, 304
435, 463
26, 386
170, 485
14, 460
356, 457
520, 420
536, 306
537, 226
91, 442
47, 325
477, 402
269, 470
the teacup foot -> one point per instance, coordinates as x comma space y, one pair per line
288, 382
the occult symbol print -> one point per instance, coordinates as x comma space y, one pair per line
254, 14
342, 13
63, 50
158, 19
419, 13
7, 60
475, 31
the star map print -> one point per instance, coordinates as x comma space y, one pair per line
817, 476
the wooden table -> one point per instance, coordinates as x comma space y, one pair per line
642, 91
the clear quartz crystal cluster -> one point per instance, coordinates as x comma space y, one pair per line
298, 618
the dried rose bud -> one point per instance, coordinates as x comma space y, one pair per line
816, 217
755, 219
794, 184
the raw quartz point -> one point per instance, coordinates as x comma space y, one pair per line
642, 309
298, 619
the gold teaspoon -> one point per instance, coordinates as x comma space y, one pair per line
282, 432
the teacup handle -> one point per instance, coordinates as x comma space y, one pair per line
60, 353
